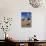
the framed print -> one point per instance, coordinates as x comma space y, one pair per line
26, 19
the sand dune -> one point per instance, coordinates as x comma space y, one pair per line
26, 23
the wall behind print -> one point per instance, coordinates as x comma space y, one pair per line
13, 8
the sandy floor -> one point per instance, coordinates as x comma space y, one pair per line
26, 23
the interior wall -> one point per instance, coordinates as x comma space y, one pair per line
45, 28
13, 8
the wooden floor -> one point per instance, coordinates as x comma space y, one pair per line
4, 43
26, 43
